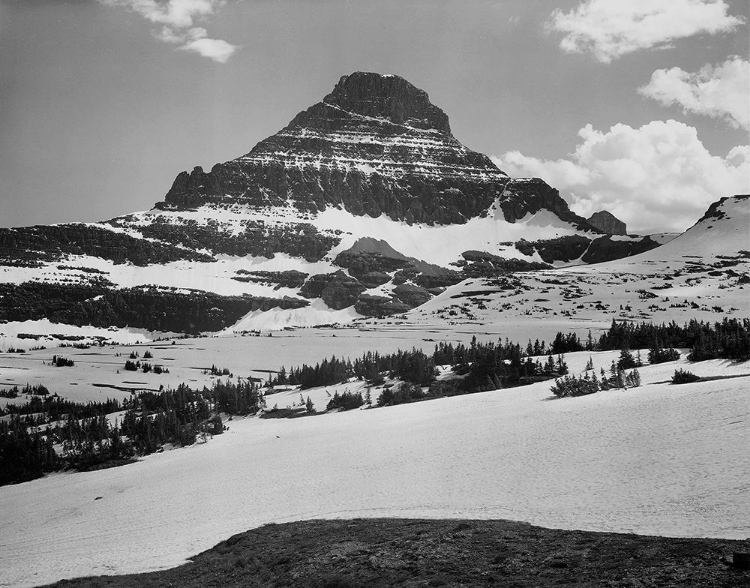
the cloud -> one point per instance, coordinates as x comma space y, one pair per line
178, 18
609, 29
215, 49
722, 91
656, 177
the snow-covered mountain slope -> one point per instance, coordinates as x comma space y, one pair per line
723, 230
275, 228
263, 257
704, 273
659, 459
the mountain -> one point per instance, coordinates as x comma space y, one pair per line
364, 205
375, 145
607, 222
703, 274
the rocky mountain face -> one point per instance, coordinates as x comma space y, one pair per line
375, 145
607, 223
365, 204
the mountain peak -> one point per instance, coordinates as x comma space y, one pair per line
374, 145
389, 97
607, 222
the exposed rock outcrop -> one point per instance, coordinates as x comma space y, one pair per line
371, 305
337, 290
607, 249
524, 196
145, 308
411, 295
608, 223
285, 279
573, 247
51, 243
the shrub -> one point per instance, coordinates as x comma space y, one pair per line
660, 355
9, 392
569, 386
377, 380
214, 371
626, 360
573, 386
400, 393
684, 377
36, 390
214, 426
345, 401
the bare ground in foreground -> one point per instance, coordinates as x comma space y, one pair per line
411, 553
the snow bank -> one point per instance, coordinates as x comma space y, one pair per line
317, 313
661, 459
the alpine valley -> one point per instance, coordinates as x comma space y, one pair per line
365, 205
574, 377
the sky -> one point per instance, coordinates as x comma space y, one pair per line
640, 107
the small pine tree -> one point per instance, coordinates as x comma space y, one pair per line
626, 360
633, 379
589, 342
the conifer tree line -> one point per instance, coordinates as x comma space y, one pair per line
728, 339
485, 366
49, 434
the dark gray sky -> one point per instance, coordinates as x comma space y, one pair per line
640, 107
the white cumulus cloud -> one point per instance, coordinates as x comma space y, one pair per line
722, 91
215, 49
658, 177
178, 18
609, 29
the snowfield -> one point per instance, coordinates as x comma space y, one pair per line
700, 274
99, 372
659, 459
